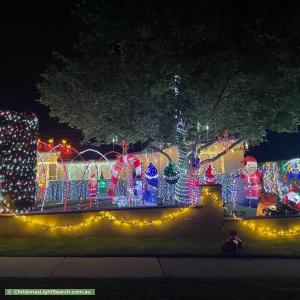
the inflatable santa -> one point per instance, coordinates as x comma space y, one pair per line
252, 181
292, 196
210, 178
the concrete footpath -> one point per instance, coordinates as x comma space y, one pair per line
140, 267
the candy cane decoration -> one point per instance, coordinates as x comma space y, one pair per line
123, 160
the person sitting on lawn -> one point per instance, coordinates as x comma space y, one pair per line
232, 243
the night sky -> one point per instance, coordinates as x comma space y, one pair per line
30, 32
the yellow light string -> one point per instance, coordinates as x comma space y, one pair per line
269, 231
263, 230
214, 196
104, 215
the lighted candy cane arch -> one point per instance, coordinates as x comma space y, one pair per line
123, 161
66, 175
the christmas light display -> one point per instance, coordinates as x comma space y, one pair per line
171, 174
293, 196
195, 162
152, 176
252, 182
151, 185
57, 189
271, 178
18, 145
122, 201
229, 189
292, 168
170, 190
282, 181
194, 190
182, 192
138, 187
210, 178
123, 161
166, 192
271, 232
78, 189
125, 196
105, 216
3, 204
150, 193
64, 148
102, 186
93, 189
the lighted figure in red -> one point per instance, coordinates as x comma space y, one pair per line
196, 182
252, 181
292, 196
93, 187
210, 178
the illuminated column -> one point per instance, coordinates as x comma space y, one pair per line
181, 187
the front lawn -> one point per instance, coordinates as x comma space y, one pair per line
139, 246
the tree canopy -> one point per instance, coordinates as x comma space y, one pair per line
236, 65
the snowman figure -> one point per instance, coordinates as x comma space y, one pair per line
252, 181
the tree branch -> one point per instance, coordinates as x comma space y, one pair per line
211, 142
220, 98
210, 160
161, 151
219, 102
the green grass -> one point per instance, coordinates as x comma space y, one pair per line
131, 246
165, 288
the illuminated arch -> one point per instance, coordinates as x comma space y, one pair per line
65, 177
95, 151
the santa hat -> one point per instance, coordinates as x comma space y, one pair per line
249, 158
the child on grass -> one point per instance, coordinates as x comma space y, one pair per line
232, 243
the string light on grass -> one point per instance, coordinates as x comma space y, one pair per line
214, 196
138, 223
268, 231
272, 232
104, 215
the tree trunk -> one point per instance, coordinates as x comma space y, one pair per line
181, 187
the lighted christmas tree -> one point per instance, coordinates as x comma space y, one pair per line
102, 187
171, 174
18, 146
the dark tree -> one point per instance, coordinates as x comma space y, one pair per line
236, 64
